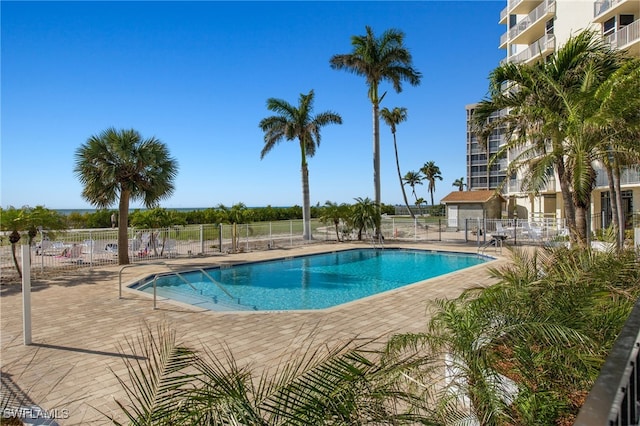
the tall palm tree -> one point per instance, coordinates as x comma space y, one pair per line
539, 98
431, 172
392, 118
121, 165
378, 59
459, 183
297, 123
617, 125
413, 178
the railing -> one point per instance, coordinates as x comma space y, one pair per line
614, 398
628, 176
548, 6
236, 301
601, 7
548, 41
536, 230
625, 35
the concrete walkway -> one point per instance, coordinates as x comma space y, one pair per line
80, 326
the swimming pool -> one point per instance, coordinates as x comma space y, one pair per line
307, 282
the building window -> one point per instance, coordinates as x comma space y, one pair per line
513, 20
549, 27
609, 26
626, 20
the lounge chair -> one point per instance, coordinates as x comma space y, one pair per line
532, 231
500, 231
72, 254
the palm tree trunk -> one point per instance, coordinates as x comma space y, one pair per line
581, 225
15, 259
618, 202
567, 200
404, 194
376, 164
123, 228
306, 204
614, 203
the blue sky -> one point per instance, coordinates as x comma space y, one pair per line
196, 75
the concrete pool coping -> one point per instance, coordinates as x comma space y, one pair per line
79, 324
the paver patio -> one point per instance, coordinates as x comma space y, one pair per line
79, 325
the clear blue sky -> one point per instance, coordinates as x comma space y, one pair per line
197, 75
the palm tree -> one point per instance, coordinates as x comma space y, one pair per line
459, 183
121, 165
377, 60
30, 220
170, 383
297, 123
539, 99
431, 172
617, 125
363, 215
412, 179
519, 351
334, 213
392, 118
419, 202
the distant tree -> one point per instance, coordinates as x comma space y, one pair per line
234, 215
28, 220
431, 172
459, 183
335, 213
119, 165
392, 118
157, 218
378, 59
291, 123
419, 202
412, 179
363, 215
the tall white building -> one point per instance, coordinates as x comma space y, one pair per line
534, 30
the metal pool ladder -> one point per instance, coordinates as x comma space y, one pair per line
179, 275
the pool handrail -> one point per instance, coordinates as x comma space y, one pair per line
177, 273
132, 265
219, 284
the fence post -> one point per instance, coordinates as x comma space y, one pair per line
26, 294
439, 229
202, 239
220, 237
90, 250
291, 233
270, 236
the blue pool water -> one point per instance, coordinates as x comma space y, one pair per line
308, 282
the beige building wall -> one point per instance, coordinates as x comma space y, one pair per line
571, 18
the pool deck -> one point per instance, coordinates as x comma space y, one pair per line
79, 325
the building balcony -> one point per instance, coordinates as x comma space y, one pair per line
522, 7
531, 27
605, 9
515, 186
626, 38
504, 13
537, 50
628, 176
